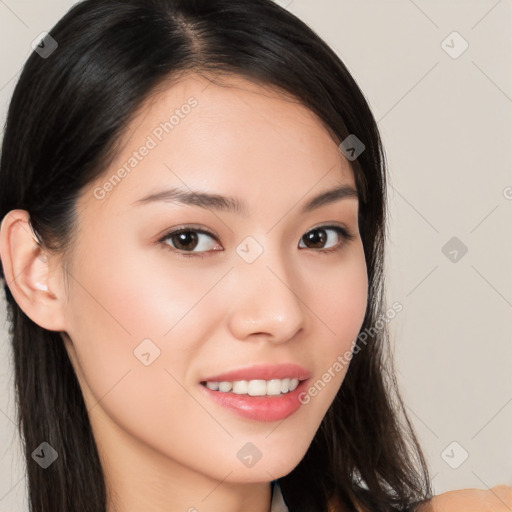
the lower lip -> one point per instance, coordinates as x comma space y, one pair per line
259, 408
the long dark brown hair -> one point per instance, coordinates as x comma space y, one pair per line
67, 113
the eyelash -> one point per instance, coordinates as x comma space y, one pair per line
345, 235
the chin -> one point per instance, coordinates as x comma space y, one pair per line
276, 464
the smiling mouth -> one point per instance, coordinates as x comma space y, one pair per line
255, 387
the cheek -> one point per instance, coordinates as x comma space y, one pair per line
127, 316
342, 300
340, 304
124, 296
110, 315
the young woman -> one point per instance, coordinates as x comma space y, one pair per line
193, 205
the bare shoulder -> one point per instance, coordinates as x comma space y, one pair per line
496, 499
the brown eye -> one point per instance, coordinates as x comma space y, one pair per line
192, 241
185, 241
318, 237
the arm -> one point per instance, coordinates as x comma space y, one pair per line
496, 499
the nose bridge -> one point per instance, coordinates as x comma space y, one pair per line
265, 300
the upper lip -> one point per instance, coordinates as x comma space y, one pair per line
262, 372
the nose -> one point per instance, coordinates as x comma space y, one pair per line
264, 302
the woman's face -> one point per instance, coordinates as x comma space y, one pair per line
258, 284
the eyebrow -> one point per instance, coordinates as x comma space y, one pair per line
232, 204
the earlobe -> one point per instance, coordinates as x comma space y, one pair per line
27, 271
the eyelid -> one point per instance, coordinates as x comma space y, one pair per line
187, 227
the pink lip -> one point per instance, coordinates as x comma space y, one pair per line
263, 372
259, 408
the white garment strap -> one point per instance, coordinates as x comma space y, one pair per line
278, 504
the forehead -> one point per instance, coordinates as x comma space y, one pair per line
230, 135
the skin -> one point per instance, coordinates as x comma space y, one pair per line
496, 499
164, 445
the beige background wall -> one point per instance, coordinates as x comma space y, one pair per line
445, 117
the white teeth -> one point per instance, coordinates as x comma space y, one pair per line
225, 386
274, 387
255, 387
240, 387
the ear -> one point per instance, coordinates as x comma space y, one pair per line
27, 268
